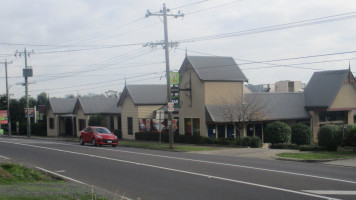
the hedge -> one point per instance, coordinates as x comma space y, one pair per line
301, 134
253, 142
329, 136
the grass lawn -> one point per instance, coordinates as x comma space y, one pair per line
21, 183
319, 155
164, 146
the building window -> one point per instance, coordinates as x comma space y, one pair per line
196, 126
188, 126
51, 123
192, 126
332, 116
81, 124
119, 123
129, 126
230, 131
112, 122
221, 131
290, 86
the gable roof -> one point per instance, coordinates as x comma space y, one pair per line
99, 105
278, 106
213, 68
323, 88
62, 105
146, 94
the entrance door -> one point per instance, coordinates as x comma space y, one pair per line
221, 131
69, 127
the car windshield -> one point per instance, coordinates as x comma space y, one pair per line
102, 130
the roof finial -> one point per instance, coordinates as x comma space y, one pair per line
186, 52
125, 81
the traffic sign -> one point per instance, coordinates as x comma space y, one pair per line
170, 107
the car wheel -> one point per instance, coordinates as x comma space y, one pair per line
81, 141
93, 142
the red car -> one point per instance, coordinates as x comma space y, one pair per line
98, 136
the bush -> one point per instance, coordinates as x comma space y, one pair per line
285, 146
349, 136
311, 148
253, 142
301, 134
39, 129
95, 120
329, 137
278, 132
118, 133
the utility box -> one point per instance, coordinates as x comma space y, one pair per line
27, 72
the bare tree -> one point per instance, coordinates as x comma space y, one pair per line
243, 111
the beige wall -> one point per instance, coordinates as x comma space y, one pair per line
223, 92
345, 98
52, 132
193, 102
80, 115
147, 111
128, 109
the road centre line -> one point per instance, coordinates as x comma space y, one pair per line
224, 164
232, 165
331, 192
179, 171
71, 179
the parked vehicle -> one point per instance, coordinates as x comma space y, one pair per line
97, 135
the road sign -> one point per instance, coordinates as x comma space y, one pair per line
174, 78
3, 116
170, 107
160, 115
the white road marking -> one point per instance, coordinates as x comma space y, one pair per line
71, 179
64, 177
4, 157
331, 192
181, 171
218, 163
60, 171
231, 165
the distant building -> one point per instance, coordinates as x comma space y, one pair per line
288, 86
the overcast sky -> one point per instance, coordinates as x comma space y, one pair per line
90, 46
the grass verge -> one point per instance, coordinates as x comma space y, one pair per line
21, 183
164, 146
325, 155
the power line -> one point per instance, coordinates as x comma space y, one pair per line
309, 22
217, 6
187, 5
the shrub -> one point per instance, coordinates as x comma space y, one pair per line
39, 129
253, 142
95, 120
118, 133
329, 137
311, 148
278, 132
349, 136
285, 146
301, 134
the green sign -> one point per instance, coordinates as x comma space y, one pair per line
175, 100
174, 78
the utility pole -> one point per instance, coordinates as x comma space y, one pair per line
166, 48
8, 98
27, 72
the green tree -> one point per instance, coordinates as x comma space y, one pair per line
42, 98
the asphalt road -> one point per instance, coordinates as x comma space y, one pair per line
151, 174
